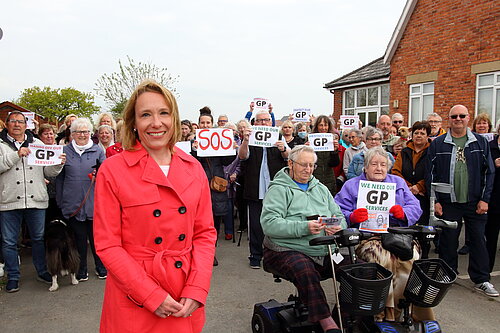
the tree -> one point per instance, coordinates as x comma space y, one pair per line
117, 87
56, 104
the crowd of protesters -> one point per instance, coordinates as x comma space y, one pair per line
430, 150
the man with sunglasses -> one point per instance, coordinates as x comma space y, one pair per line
397, 120
461, 158
24, 197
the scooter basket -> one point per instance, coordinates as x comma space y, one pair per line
363, 288
428, 282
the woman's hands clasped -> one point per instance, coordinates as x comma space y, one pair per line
182, 309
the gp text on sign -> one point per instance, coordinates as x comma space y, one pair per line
215, 142
44, 154
377, 198
321, 141
263, 136
349, 122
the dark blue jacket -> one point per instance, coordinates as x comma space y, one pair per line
73, 182
442, 154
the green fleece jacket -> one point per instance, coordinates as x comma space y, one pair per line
286, 208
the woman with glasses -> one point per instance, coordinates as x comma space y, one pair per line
326, 159
373, 138
357, 146
75, 192
293, 196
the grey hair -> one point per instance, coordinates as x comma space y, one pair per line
262, 112
297, 150
371, 131
397, 115
299, 126
223, 115
372, 152
244, 121
78, 123
358, 132
230, 125
434, 115
109, 128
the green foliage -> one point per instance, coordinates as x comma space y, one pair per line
116, 88
56, 104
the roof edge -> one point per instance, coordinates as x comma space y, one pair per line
398, 32
327, 85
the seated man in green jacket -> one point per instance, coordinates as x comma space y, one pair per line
293, 196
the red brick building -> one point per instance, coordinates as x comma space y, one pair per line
441, 53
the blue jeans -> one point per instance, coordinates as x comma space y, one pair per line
229, 218
10, 223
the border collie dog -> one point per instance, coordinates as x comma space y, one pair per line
61, 254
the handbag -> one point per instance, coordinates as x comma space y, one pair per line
400, 245
217, 184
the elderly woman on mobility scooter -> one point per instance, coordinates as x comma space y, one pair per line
293, 196
405, 212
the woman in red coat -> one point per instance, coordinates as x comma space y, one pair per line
153, 224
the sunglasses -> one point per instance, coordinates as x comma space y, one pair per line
397, 121
455, 116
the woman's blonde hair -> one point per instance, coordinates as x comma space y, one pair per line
129, 135
110, 116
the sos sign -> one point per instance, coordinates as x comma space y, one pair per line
349, 122
215, 142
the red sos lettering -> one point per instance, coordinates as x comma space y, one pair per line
207, 139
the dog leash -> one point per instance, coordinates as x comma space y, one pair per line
84, 199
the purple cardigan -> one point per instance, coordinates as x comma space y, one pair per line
348, 197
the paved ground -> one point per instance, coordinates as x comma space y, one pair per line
235, 288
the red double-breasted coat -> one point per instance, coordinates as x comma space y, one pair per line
155, 236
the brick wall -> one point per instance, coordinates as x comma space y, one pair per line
447, 36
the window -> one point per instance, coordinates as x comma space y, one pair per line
421, 101
488, 95
368, 103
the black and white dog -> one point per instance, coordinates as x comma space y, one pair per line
61, 254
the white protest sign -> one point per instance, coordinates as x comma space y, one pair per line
29, 119
44, 154
377, 198
215, 142
488, 136
301, 114
263, 136
184, 146
321, 141
260, 104
349, 122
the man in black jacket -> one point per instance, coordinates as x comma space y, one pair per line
260, 164
462, 159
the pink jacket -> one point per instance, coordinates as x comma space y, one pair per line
155, 236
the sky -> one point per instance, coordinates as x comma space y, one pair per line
225, 52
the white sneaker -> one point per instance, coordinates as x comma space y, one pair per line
487, 288
2, 273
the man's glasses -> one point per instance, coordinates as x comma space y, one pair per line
455, 116
265, 120
14, 121
373, 139
306, 165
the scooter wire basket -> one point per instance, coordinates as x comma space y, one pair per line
364, 288
428, 282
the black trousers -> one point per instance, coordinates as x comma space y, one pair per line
491, 232
84, 231
255, 232
474, 227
